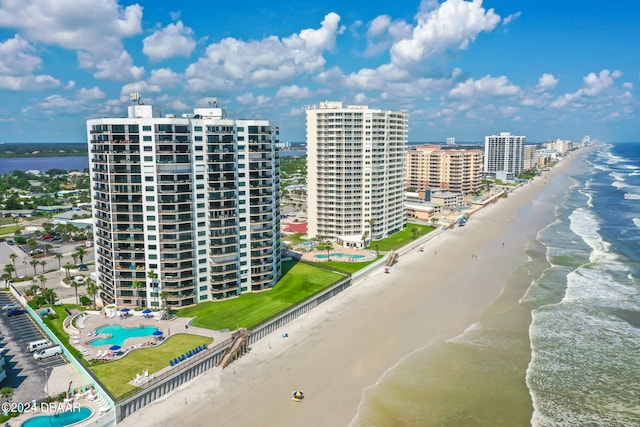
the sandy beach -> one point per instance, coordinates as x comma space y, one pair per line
345, 345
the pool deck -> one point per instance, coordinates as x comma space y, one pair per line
312, 256
94, 320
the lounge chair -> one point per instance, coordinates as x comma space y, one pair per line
99, 354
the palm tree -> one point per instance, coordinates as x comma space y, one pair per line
75, 259
6, 393
165, 296
47, 247
137, 284
59, 257
414, 232
376, 248
49, 295
372, 222
13, 258
68, 266
76, 285
10, 269
32, 244
34, 262
92, 289
81, 251
328, 246
43, 281
43, 263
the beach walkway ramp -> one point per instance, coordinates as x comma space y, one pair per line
392, 258
237, 349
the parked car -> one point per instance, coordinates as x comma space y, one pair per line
2, 239
47, 237
16, 312
83, 267
47, 352
36, 252
10, 242
10, 307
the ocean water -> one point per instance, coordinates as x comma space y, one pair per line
561, 346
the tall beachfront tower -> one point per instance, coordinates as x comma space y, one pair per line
185, 209
504, 153
355, 178
437, 167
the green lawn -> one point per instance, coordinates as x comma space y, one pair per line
299, 282
346, 267
400, 239
115, 375
9, 229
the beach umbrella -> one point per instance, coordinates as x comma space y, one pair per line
125, 310
158, 333
115, 347
146, 311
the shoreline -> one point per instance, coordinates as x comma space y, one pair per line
348, 343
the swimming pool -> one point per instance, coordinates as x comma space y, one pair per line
339, 255
120, 334
59, 420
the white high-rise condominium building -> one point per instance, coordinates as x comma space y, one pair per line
185, 209
504, 153
355, 179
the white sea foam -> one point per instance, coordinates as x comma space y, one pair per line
631, 196
636, 221
585, 225
618, 176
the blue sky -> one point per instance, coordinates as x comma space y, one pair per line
545, 69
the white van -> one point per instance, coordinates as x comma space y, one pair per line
37, 345
47, 352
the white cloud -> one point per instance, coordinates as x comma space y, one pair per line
294, 92
454, 24
546, 82
119, 68
164, 77
28, 83
485, 86
92, 28
383, 31
509, 19
249, 99
90, 94
172, 40
263, 63
595, 86
16, 57
141, 87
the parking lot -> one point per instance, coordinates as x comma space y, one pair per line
26, 376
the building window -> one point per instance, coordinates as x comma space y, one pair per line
147, 188
148, 178
151, 217
147, 138
146, 128
150, 198
152, 237
151, 208
153, 247
148, 148
199, 157
151, 227
153, 256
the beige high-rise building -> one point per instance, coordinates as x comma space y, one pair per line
355, 174
433, 166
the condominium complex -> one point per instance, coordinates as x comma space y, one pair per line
504, 153
355, 178
186, 209
436, 167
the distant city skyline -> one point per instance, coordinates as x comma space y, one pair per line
462, 69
